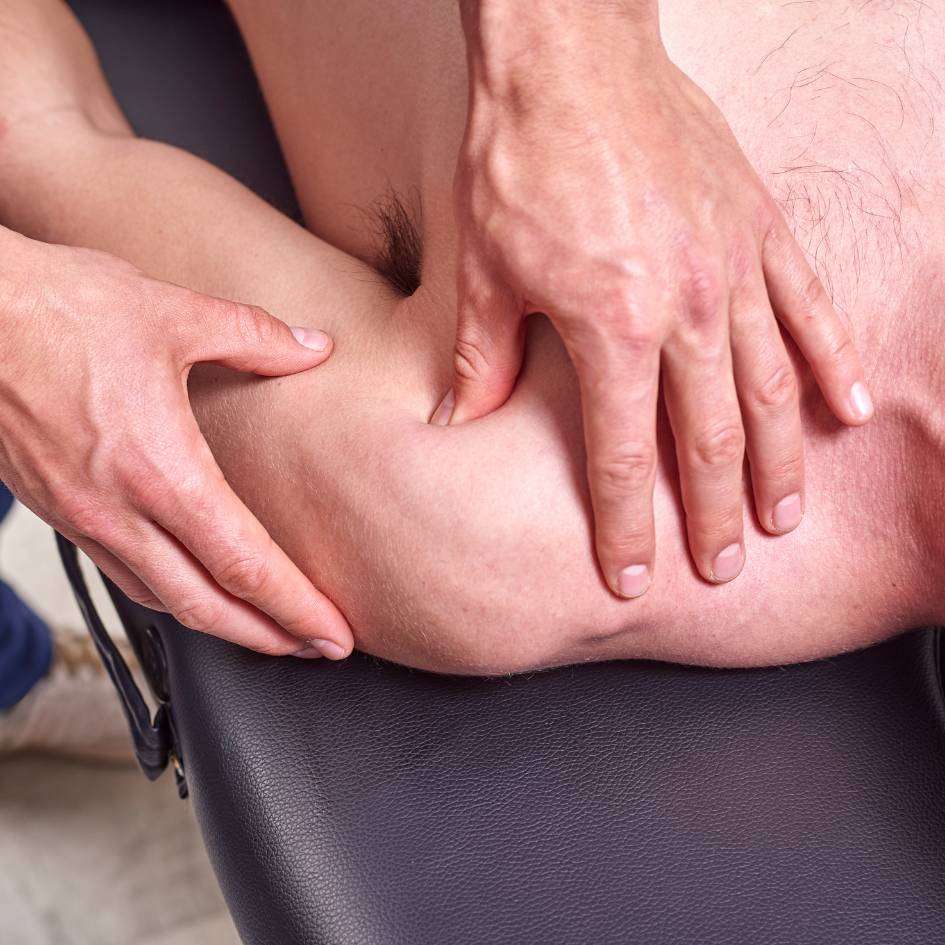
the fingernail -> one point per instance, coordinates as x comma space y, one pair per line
727, 564
441, 416
634, 580
787, 513
308, 653
311, 338
860, 401
328, 649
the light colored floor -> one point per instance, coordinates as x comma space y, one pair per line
93, 856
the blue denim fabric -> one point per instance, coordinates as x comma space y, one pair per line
25, 641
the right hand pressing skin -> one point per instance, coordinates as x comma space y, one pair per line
598, 185
97, 437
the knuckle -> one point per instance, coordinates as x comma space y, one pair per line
141, 479
632, 543
627, 471
811, 297
718, 526
719, 447
595, 359
469, 358
87, 517
626, 320
703, 295
841, 351
619, 293
743, 263
142, 596
775, 234
777, 390
788, 468
613, 337
271, 647
252, 326
637, 335
199, 613
246, 575
163, 483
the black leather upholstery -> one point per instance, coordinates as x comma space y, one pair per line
364, 804
181, 74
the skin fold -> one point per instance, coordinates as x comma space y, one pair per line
470, 549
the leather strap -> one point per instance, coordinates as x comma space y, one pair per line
154, 739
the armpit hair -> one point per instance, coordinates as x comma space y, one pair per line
399, 248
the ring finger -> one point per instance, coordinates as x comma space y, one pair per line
767, 387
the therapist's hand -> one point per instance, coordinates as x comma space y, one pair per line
597, 184
98, 438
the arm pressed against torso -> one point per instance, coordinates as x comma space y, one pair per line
469, 549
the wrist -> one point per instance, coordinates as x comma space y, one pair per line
511, 43
641, 12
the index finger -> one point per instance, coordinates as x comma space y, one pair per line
619, 381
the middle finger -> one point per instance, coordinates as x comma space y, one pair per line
703, 408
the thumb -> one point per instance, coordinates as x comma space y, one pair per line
248, 338
487, 357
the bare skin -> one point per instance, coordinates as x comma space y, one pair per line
470, 549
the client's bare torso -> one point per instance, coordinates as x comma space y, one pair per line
469, 548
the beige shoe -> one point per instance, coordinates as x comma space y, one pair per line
73, 712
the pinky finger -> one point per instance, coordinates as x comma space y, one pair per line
802, 305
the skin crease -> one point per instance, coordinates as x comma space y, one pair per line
469, 549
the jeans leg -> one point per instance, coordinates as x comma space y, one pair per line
25, 640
